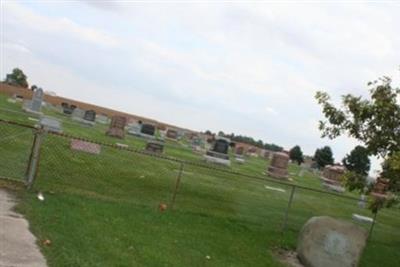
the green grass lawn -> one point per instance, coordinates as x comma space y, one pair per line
102, 210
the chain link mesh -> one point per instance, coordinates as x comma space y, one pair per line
15, 148
238, 205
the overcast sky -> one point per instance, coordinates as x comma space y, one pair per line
251, 69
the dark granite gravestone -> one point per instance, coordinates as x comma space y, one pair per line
68, 109
154, 147
221, 146
172, 134
117, 127
90, 115
148, 129
219, 152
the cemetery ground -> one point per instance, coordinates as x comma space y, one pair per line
103, 210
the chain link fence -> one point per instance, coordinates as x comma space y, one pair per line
54, 162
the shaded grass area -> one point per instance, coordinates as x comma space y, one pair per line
102, 210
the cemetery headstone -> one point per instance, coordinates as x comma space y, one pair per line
84, 146
77, 114
267, 154
89, 117
19, 98
34, 106
148, 130
332, 178
362, 203
279, 165
155, 147
50, 124
68, 109
239, 150
117, 127
172, 134
380, 188
219, 152
103, 119
37, 100
135, 129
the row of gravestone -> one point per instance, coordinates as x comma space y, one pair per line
218, 154
117, 129
35, 105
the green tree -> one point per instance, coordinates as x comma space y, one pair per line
374, 121
391, 170
17, 78
296, 154
358, 161
358, 164
323, 156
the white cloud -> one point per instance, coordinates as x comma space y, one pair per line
24, 17
16, 46
248, 68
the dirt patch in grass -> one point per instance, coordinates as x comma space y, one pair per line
288, 257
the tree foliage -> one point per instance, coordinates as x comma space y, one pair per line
323, 156
391, 170
375, 121
296, 154
358, 161
17, 78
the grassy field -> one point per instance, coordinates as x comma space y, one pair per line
102, 210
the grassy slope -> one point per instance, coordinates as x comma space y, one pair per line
102, 210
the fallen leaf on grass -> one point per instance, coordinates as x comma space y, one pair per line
162, 207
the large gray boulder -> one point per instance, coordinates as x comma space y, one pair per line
328, 242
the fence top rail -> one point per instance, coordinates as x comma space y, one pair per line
197, 164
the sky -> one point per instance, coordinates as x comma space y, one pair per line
250, 68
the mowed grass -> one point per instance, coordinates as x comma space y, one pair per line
102, 210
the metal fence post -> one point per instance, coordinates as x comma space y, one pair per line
33, 163
177, 183
372, 225
288, 208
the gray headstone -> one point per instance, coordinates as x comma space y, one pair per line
135, 129
102, 119
78, 114
51, 124
37, 100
